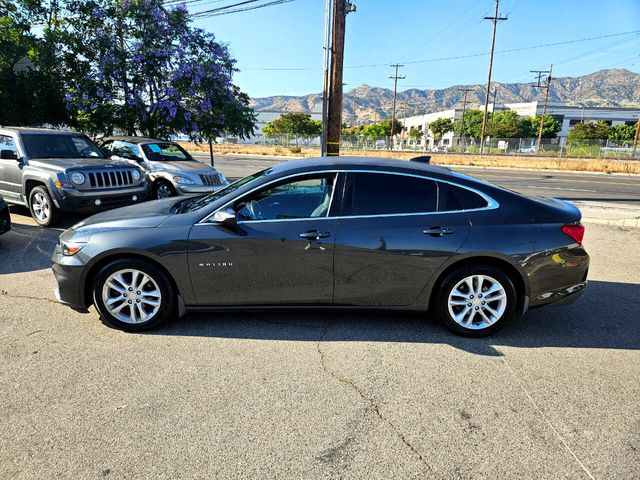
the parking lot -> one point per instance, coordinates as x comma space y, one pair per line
319, 394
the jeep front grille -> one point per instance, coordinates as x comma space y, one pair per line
211, 180
111, 178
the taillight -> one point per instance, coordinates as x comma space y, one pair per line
575, 232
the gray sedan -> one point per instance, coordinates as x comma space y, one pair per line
169, 168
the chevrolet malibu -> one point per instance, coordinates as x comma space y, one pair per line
336, 233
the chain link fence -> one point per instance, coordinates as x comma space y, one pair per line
549, 147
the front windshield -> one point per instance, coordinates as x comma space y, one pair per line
165, 152
200, 202
59, 146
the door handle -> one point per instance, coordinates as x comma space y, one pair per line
315, 234
438, 231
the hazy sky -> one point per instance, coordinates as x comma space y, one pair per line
403, 31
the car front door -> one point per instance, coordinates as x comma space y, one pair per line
279, 252
391, 238
10, 169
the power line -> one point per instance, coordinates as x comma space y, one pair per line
215, 12
457, 57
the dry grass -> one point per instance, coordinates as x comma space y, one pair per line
541, 163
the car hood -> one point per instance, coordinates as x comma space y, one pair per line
182, 166
62, 164
142, 215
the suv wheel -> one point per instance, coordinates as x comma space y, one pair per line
133, 295
163, 189
43, 211
476, 300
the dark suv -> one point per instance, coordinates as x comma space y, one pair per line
52, 171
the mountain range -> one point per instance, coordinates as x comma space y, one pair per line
365, 104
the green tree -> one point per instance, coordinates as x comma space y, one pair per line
622, 133
415, 134
507, 124
31, 75
472, 123
382, 129
440, 127
550, 128
589, 131
293, 124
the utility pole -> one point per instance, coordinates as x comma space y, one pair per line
395, 93
325, 88
547, 87
334, 114
635, 139
464, 108
495, 19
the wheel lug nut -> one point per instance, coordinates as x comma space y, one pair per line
468, 304
124, 294
130, 289
480, 296
484, 303
470, 296
477, 308
137, 300
129, 302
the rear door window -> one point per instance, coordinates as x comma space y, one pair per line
373, 194
453, 198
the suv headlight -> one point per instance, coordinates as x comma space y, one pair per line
78, 178
71, 248
136, 175
184, 180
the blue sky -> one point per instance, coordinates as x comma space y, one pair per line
402, 31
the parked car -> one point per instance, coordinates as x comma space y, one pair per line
52, 172
5, 217
170, 170
381, 144
531, 149
338, 232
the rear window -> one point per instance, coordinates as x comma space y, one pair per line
453, 198
382, 194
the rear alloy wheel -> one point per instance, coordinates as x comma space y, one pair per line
133, 295
42, 209
476, 300
163, 189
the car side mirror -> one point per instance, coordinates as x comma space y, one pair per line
226, 217
8, 155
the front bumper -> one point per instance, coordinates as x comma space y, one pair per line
68, 199
69, 273
5, 220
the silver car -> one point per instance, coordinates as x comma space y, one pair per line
170, 170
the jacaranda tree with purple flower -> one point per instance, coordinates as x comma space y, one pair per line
142, 68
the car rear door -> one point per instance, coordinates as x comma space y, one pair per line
391, 238
280, 251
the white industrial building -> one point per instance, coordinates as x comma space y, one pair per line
568, 115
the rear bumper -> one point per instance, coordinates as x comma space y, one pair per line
563, 296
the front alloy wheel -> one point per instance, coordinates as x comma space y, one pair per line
133, 295
164, 189
476, 300
43, 211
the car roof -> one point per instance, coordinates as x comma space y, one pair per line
132, 139
356, 163
40, 131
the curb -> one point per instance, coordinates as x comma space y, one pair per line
620, 222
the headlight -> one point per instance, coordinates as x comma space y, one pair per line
71, 248
77, 178
136, 175
184, 180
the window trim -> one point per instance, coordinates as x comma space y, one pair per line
491, 203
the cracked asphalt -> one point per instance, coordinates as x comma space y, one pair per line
319, 394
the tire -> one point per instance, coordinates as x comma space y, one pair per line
42, 208
456, 296
163, 189
115, 299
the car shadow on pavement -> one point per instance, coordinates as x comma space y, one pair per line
28, 247
589, 323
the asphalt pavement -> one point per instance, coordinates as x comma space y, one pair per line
319, 394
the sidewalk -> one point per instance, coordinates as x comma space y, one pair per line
609, 213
